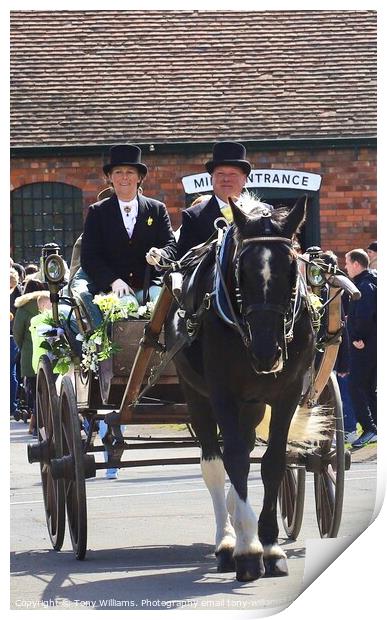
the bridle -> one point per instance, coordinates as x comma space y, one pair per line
240, 322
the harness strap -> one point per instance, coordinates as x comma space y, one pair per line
263, 306
229, 303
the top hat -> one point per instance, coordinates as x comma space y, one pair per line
372, 246
125, 155
229, 154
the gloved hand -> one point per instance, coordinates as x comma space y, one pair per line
154, 256
120, 288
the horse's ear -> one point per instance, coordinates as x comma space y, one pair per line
295, 217
239, 216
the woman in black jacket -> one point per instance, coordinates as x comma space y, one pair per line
123, 234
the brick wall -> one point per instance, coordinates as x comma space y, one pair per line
347, 195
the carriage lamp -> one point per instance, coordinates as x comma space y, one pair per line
315, 275
54, 269
54, 273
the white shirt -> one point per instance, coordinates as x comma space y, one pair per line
129, 217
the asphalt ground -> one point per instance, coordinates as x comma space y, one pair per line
150, 540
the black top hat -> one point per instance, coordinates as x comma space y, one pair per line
125, 155
228, 154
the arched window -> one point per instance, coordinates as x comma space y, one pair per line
44, 213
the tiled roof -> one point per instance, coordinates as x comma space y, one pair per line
101, 77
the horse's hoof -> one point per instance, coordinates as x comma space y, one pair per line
225, 560
249, 567
276, 567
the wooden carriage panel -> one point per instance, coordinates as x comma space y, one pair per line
127, 334
114, 372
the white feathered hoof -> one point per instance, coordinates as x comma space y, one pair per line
225, 561
249, 567
276, 567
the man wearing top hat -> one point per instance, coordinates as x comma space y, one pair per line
122, 234
229, 169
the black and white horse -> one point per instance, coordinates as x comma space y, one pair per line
229, 373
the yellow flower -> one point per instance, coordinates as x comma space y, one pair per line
149, 221
315, 301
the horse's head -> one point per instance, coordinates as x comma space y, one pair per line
266, 276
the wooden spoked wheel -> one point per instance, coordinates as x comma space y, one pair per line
49, 438
329, 480
75, 488
291, 497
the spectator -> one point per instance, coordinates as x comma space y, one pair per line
27, 308
31, 268
38, 327
362, 317
372, 255
15, 292
21, 271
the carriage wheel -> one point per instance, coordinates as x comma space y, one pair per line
329, 481
291, 497
75, 488
48, 428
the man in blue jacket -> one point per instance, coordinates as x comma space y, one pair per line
361, 323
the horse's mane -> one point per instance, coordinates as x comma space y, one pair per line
255, 208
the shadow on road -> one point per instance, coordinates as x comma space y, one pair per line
165, 570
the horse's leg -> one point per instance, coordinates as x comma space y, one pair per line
237, 440
213, 473
273, 470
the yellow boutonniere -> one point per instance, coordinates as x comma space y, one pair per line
149, 221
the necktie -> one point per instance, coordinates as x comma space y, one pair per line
227, 213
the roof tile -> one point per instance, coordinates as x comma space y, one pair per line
98, 77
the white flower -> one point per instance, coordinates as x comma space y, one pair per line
79, 337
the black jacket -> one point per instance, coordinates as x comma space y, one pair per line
362, 316
107, 252
197, 225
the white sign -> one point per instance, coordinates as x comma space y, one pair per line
290, 179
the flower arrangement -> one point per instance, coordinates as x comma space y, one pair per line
55, 343
98, 346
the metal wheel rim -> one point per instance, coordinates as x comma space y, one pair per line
329, 483
291, 497
75, 490
48, 428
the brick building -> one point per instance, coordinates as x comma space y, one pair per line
298, 88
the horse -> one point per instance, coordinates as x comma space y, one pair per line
231, 370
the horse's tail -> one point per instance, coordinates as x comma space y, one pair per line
307, 426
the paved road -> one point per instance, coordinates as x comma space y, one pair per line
150, 541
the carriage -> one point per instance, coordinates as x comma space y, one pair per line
140, 381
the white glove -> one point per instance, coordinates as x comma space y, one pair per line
154, 256
120, 288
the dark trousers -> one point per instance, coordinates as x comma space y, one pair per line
13, 375
348, 412
362, 387
30, 387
